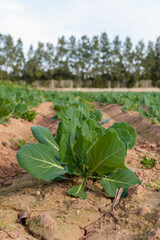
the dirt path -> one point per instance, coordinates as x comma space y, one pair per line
153, 89
51, 214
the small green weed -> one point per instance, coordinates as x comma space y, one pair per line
154, 121
29, 115
149, 185
2, 225
147, 162
156, 187
21, 142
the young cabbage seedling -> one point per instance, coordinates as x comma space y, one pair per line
83, 149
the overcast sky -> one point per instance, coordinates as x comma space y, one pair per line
47, 20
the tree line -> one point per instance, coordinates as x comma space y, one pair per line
96, 59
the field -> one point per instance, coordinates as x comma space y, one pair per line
80, 202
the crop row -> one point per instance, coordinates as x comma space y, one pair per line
16, 101
147, 103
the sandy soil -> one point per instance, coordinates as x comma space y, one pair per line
49, 213
20, 129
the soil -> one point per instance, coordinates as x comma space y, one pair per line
20, 129
36, 209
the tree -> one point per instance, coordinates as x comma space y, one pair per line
139, 57
95, 58
40, 64
2, 57
117, 68
61, 60
72, 57
128, 61
149, 63
9, 52
84, 55
35, 67
156, 79
19, 60
30, 66
105, 54
49, 60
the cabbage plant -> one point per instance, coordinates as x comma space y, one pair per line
84, 149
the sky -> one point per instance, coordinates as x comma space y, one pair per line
48, 20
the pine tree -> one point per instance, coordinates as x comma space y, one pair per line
117, 68
84, 54
40, 64
156, 80
19, 60
72, 57
139, 64
9, 52
61, 60
128, 61
95, 59
2, 57
105, 57
49, 60
30, 66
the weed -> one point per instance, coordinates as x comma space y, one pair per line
21, 142
2, 225
29, 115
147, 162
155, 187
149, 185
